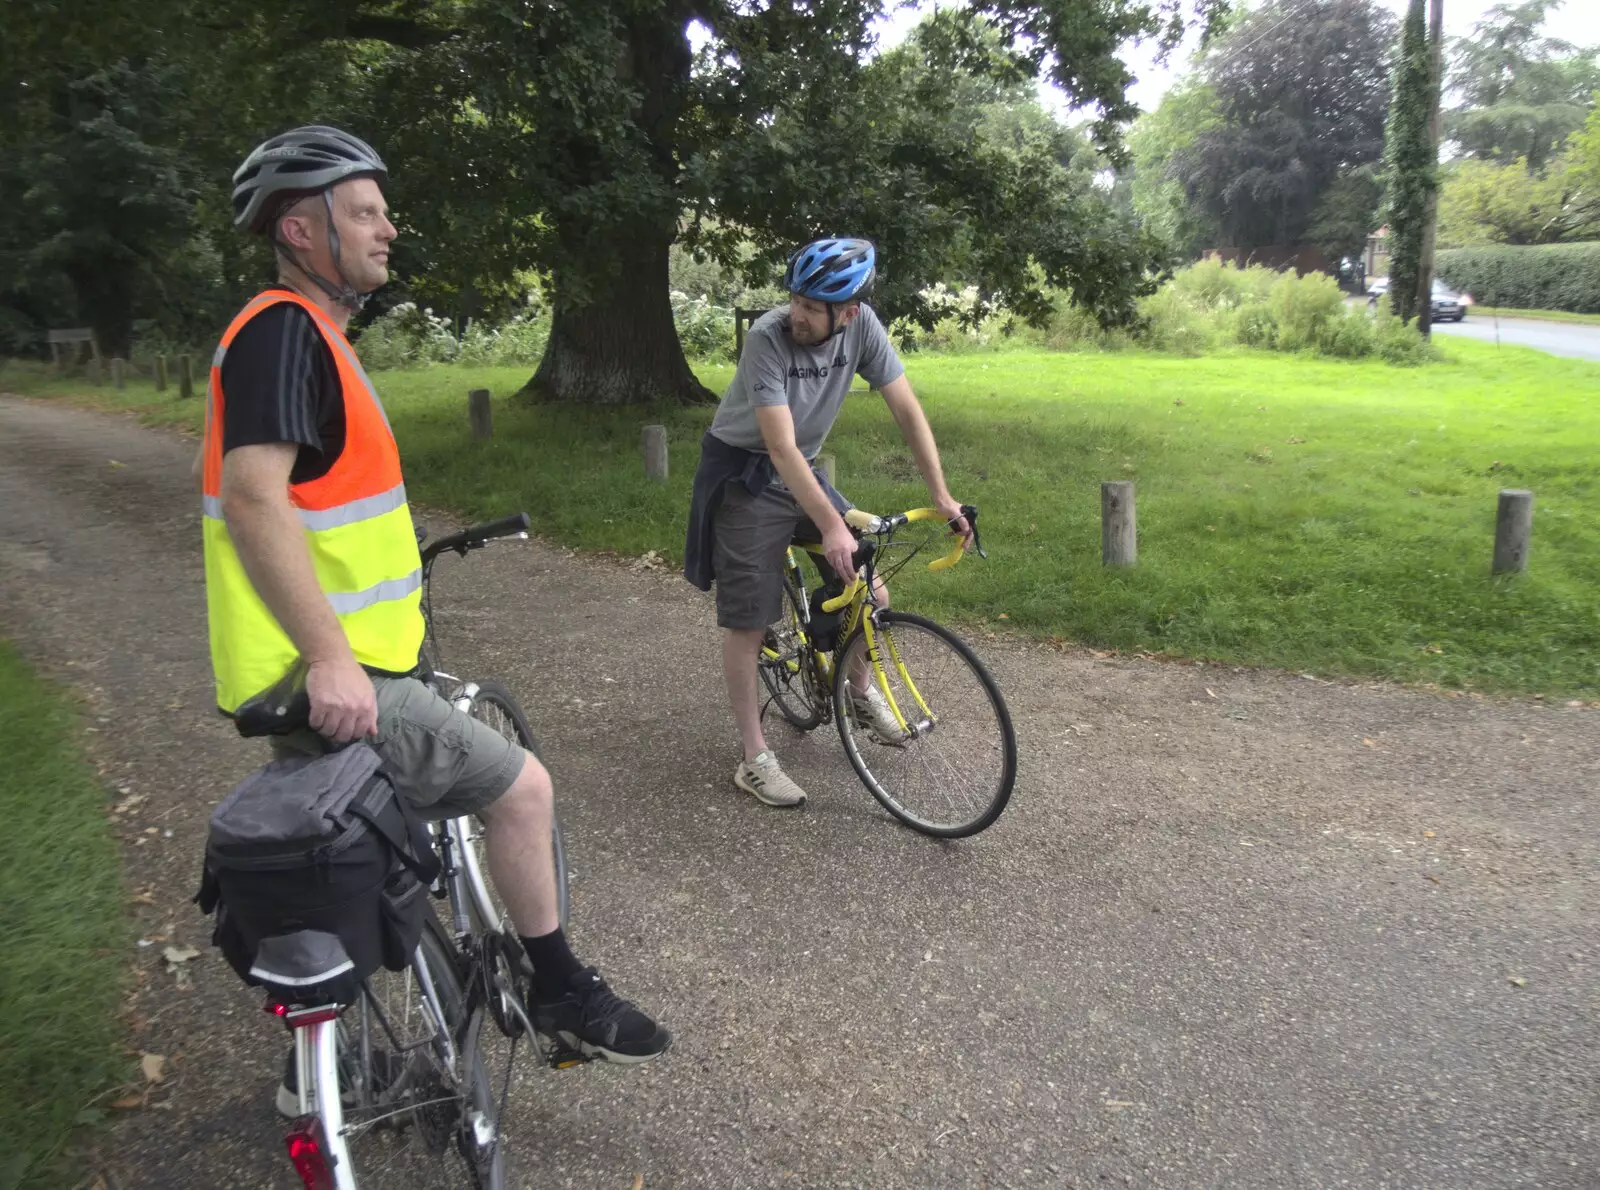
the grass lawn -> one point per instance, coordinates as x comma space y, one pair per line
62, 932
1545, 315
1326, 516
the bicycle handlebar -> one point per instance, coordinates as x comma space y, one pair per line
865, 522
478, 536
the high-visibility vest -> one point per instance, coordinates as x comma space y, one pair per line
357, 527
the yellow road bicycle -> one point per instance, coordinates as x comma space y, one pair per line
921, 719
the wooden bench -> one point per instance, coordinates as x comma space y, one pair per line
69, 338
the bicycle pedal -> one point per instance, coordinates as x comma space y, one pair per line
561, 1057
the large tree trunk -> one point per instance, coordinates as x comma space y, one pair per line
612, 338
617, 345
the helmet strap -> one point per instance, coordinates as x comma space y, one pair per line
343, 293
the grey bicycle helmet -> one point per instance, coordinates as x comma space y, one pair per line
308, 160
302, 161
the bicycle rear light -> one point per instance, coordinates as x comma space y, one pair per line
309, 1154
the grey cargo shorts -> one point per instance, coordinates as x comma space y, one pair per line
444, 763
750, 537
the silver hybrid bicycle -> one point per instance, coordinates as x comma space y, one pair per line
406, 1086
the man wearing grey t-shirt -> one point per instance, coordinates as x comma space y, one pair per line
756, 489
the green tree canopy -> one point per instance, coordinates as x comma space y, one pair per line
1522, 94
1189, 109
1301, 91
580, 141
1484, 203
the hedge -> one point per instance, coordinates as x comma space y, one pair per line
1547, 277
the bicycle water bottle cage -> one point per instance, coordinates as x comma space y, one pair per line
824, 626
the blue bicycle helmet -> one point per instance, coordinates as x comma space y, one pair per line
832, 270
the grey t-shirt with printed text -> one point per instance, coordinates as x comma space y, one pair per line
812, 381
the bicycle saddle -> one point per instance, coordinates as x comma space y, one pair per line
279, 709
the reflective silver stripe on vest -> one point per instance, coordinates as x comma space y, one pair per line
217, 356
345, 602
363, 509
317, 519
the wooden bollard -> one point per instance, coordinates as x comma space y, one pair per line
185, 377
826, 465
92, 371
480, 413
118, 381
655, 453
1513, 526
1119, 537
161, 373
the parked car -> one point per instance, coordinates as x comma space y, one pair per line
1448, 305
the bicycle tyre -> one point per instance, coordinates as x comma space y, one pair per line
493, 697
943, 662
791, 676
446, 1111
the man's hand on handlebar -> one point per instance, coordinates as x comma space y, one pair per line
344, 705
950, 509
839, 547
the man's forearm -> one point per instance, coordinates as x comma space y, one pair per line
272, 545
918, 434
803, 486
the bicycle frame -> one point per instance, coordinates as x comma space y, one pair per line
460, 877
317, 1140
859, 606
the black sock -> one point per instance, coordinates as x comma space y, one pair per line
554, 964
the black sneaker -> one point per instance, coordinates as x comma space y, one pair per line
598, 1023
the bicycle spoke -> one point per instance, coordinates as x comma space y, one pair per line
955, 777
786, 666
415, 1124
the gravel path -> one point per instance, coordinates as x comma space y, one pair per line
1237, 929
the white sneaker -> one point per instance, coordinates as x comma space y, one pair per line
871, 709
769, 783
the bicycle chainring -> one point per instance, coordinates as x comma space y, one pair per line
505, 966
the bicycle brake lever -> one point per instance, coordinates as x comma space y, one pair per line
970, 511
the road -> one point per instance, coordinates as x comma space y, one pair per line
1558, 338
1238, 928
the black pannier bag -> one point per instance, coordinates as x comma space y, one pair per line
318, 874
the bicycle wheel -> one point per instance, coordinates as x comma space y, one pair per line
950, 773
414, 1101
787, 665
496, 707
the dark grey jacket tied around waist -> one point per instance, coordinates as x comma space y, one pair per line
721, 464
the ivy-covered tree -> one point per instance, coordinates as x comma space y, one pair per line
1410, 162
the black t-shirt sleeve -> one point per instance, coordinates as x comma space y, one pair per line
280, 384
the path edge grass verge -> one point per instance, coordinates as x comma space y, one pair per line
64, 933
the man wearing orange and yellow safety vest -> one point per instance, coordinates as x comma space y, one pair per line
311, 558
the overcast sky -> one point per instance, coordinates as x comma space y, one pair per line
1577, 21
